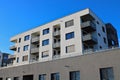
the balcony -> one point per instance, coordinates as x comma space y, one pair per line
14, 40
56, 45
34, 50
35, 40
88, 26
88, 51
34, 60
56, 56
89, 39
56, 33
14, 48
11, 57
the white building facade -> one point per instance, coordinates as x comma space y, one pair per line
76, 34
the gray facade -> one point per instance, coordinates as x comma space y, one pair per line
112, 36
89, 66
3, 59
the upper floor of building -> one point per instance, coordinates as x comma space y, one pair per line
76, 34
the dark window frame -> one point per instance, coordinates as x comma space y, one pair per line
69, 35
46, 31
27, 37
105, 73
45, 42
42, 77
25, 48
69, 23
55, 76
74, 75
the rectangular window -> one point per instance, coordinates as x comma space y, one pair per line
45, 42
16, 78
103, 29
26, 37
75, 75
69, 23
18, 49
104, 40
55, 76
25, 48
69, 35
25, 58
45, 31
19, 40
106, 74
70, 48
17, 59
45, 54
1, 78
42, 77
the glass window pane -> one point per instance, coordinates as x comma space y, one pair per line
106, 74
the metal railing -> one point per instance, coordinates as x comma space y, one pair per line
88, 23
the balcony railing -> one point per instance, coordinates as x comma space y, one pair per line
13, 48
56, 33
56, 56
34, 50
89, 39
88, 26
11, 57
35, 40
87, 51
56, 45
34, 60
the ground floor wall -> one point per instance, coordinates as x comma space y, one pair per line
88, 65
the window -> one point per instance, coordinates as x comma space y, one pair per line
55, 76
1, 78
103, 29
106, 74
18, 49
17, 59
45, 54
97, 22
100, 47
26, 37
5, 57
25, 48
42, 77
69, 35
75, 75
25, 58
45, 31
104, 40
69, 23
99, 34
16, 78
45, 42
19, 40
70, 48
113, 43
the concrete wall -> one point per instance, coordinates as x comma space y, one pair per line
88, 65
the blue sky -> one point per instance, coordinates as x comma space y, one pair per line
17, 16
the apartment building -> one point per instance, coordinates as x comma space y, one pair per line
112, 36
76, 34
3, 59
